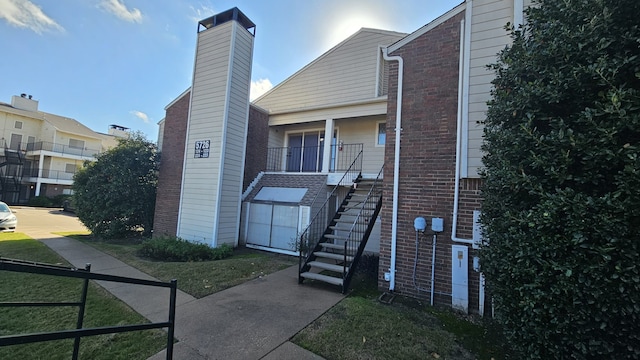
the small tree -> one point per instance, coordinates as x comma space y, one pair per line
561, 207
115, 195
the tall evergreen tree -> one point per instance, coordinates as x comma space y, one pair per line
561, 197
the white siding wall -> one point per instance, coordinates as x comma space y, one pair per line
211, 189
236, 134
369, 108
199, 195
30, 127
276, 137
363, 131
488, 37
89, 143
345, 73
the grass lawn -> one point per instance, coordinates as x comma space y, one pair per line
364, 328
359, 327
102, 310
201, 278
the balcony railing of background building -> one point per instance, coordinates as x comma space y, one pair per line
310, 158
61, 149
48, 174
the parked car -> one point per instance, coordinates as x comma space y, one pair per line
8, 221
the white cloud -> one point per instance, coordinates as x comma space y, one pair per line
25, 14
140, 115
259, 87
201, 13
119, 9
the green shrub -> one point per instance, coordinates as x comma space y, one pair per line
40, 201
561, 205
58, 200
115, 195
167, 248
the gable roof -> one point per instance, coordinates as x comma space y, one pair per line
345, 73
69, 125
61, 123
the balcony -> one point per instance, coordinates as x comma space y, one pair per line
60, 149
309, 159
48, 175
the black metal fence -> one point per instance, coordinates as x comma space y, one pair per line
312, 235
80, 332
311, 158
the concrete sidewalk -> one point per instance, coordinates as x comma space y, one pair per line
254, 320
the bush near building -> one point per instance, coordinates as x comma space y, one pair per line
561, 206
115, 195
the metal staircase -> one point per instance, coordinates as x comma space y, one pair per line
11, 175
331, 256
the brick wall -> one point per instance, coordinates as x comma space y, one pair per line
427, 165
257, 138
171, 162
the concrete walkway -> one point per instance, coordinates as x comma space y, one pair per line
254, 320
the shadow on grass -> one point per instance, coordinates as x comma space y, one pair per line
362, 327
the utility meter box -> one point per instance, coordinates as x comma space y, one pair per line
437, 224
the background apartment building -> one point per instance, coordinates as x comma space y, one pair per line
40, 152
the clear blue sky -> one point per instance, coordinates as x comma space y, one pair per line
121, 62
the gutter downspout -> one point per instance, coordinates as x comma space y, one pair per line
463, 106
396, 168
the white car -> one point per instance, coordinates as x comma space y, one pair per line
8, 220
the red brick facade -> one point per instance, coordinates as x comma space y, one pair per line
257, 143
427, 165
172, 160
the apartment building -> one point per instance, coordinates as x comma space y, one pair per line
375, 146
40, 152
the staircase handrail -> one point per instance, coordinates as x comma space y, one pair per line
301, 239
346, 275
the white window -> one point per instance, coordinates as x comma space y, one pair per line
76, 144
70, 168
381, 134
18, 125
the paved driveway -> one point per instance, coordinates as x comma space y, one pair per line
39, 222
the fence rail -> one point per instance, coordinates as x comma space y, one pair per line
311, 158
48, 174
22, 266
61, 149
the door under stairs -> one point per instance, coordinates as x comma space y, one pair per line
333, 257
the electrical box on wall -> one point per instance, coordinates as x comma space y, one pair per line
437, 224
460, 277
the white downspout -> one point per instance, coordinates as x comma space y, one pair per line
396, 169
463, 106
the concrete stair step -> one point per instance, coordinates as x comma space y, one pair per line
326, 266
332, 246
323, 278
333, 256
